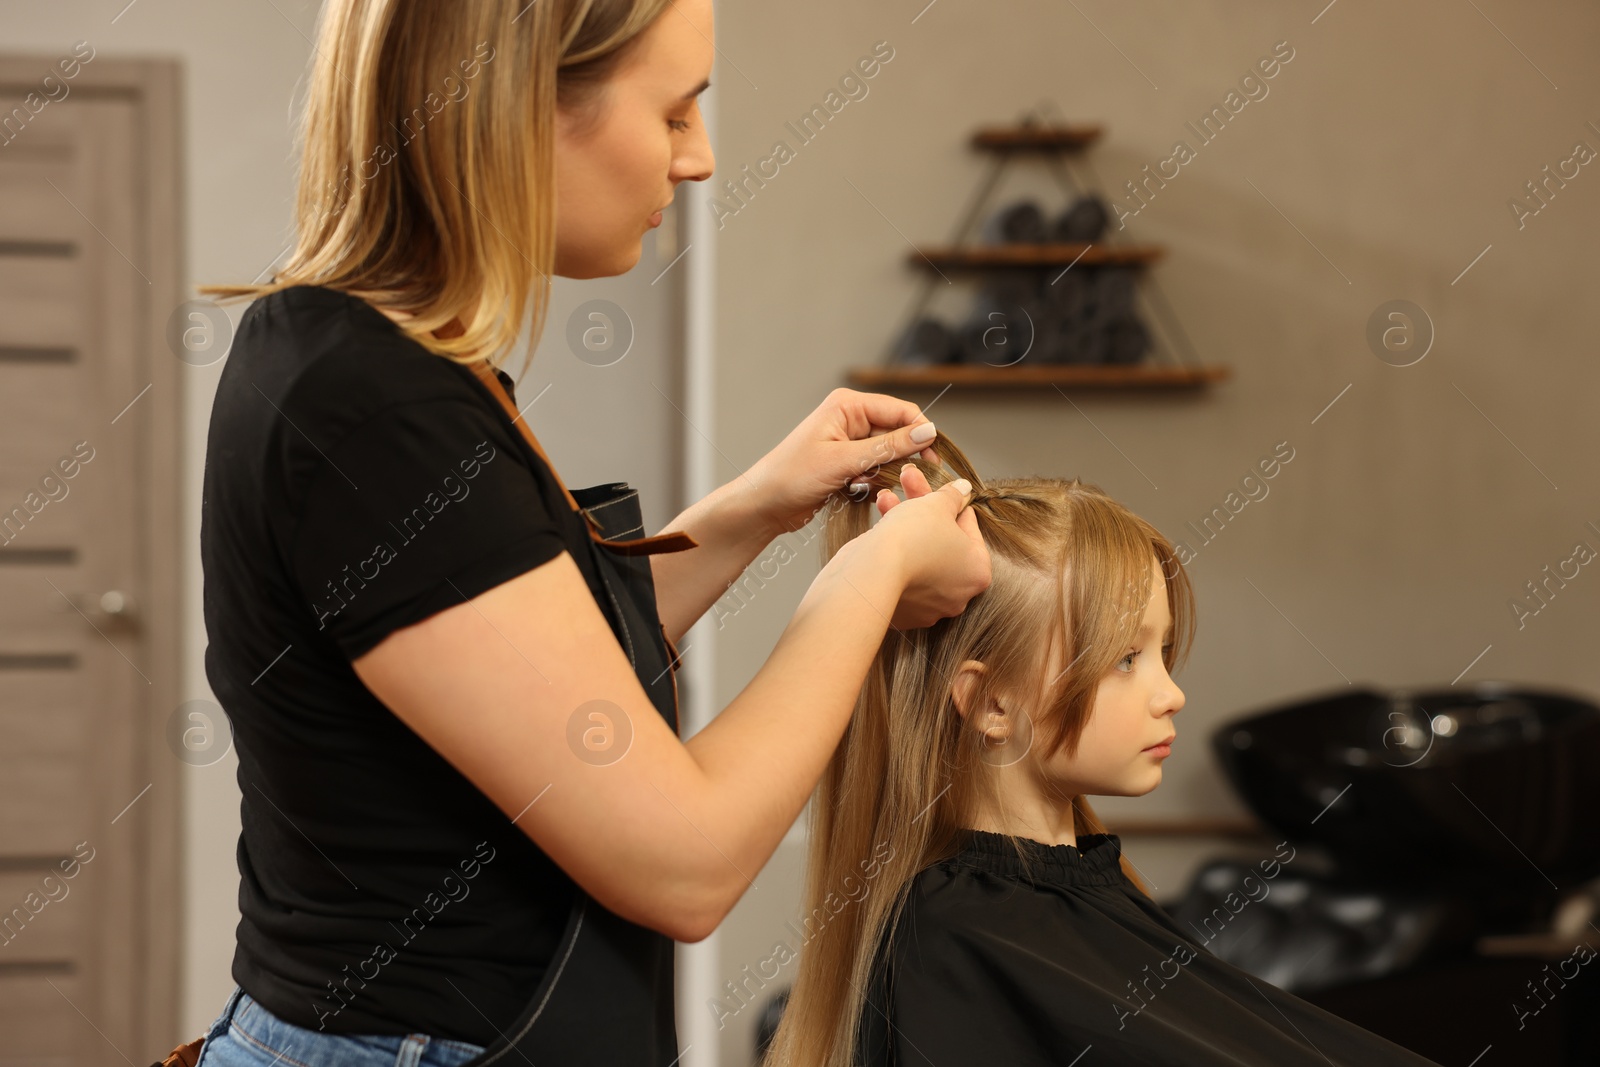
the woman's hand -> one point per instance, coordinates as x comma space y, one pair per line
848, 436
945, 563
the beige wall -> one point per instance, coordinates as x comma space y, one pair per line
1414, 509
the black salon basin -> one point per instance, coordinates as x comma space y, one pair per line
1486, 784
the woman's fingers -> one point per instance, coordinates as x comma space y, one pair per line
912, 480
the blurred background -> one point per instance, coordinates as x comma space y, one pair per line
1335, 344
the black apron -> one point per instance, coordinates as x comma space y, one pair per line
608, 996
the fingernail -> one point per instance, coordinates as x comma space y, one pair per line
962, 486
923, 433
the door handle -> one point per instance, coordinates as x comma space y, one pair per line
113, 605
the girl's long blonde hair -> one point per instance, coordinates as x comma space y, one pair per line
427, 173
1070, 570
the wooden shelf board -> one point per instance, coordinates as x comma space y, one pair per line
1037, 255
1037, 376
1036, 138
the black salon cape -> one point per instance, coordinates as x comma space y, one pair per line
987, 967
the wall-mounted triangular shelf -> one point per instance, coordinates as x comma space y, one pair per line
1052, 142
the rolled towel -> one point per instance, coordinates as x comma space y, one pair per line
1023, 222
1114, 291
1070, 293
1078, 344
927, 342
1096, 346
1108, 300
1000, 337
1006, 288
1127, 341
1052, 341
1084, 221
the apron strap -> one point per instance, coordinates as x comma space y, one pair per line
674, 541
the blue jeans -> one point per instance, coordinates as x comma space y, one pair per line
248, 1035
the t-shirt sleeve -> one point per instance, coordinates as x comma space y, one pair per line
419, 508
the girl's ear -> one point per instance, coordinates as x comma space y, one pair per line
994, 719
964, 685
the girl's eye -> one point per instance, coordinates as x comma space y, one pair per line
677, 124
1128, 659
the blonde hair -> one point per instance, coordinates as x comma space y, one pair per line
461, 211
1071, 570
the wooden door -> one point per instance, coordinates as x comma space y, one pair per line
88, 498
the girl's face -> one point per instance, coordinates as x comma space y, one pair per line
1132, 714
648, 137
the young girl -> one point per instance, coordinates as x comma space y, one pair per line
1000, 923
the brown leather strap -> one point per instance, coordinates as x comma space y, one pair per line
184, 1055
673, 541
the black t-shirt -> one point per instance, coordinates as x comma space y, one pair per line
356, 483
991, 965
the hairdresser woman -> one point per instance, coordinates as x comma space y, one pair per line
470, 831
